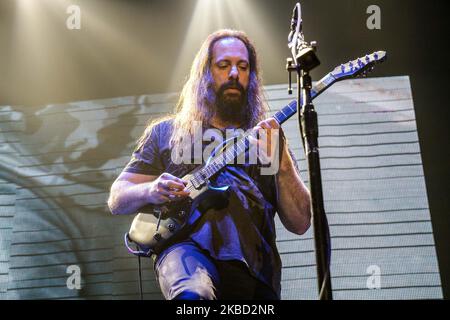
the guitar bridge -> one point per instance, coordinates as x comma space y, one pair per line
199, 180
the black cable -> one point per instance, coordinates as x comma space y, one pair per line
140, 278
328, 249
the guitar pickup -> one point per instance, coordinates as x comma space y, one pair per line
198, 181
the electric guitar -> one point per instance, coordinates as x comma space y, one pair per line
156, 226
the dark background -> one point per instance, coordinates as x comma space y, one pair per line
132, 47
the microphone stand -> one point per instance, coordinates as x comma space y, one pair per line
305, 60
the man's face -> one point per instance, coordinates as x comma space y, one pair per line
230, 70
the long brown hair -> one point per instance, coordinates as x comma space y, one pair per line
197, 99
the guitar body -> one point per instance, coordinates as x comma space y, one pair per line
157, 226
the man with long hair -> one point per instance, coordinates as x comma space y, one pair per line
231, 252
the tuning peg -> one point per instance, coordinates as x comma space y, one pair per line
342, 67
367, 58
351, 65
375, 55
360, 63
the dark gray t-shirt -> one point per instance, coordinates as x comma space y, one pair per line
245, 229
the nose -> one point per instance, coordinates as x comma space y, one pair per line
234, 74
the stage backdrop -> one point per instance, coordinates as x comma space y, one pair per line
58, 162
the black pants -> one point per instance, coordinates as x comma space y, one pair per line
186, 272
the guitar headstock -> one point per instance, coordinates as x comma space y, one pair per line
358, 67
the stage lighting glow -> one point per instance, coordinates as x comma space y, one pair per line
35, 41
211, 15
26, 3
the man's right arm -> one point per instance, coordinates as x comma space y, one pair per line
132, 191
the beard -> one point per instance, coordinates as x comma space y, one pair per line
231, 106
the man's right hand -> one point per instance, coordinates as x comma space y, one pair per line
132, 191
167, 188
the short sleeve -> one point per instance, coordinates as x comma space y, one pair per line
146, 158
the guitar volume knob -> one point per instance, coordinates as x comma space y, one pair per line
157, 236
171, 227
182, 214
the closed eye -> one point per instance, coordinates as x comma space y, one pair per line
243, 66
223, 65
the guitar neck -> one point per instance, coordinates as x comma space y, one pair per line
291, 109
